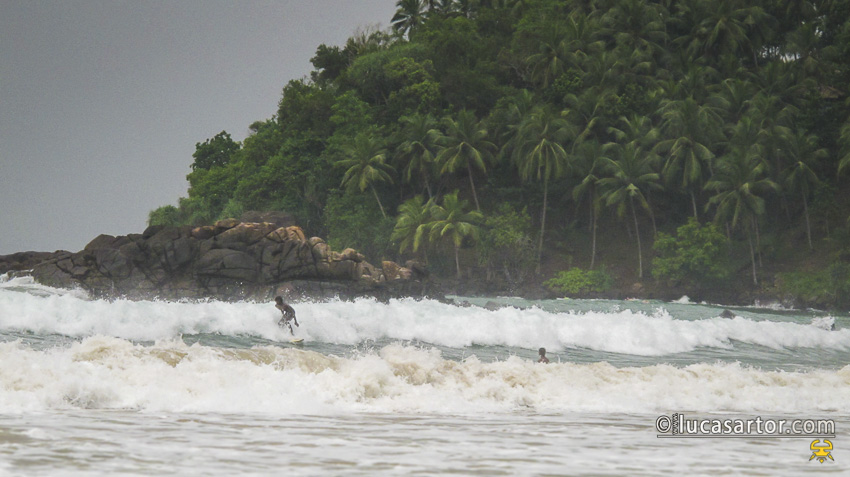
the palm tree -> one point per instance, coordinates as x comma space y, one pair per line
587, 166
417, 151
739, 181
688, 129
412, 224
365, 165
540, 155
629, 175
452, 220
803, 151
725, 28
637, 27
465, 145
564, 48
734, 98
408, 17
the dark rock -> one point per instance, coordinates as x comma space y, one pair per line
225, 224
226, 263
23, 260
727, 314
111, 263
203, 233
229, 260
243, 236
151, 231
101, 241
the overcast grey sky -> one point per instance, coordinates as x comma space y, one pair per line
102, 102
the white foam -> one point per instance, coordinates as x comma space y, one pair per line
824, 322
350, 323
110, 373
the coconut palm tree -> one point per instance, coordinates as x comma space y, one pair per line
739, 184
564, 48
365, 165
465, 145
628, 175
539, 154
586, 166
725, 28
687, 129
803, 153
408, 17
451, 219
637, 27
412, 224
417, 151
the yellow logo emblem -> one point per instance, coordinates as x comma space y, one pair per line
821, 450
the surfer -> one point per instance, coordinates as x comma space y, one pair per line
543, 358
288, 314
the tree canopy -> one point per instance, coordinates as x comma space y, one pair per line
729, 111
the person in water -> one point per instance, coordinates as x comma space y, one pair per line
543, 358
288, 314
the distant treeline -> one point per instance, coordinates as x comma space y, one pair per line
478, 129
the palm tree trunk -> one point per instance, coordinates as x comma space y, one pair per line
651, 216
637, 235
758, 240
808, 225
380, 205
472, 184
542, 225
694, 204
457, 261
593, 220
752, 258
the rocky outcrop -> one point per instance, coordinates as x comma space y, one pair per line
20, 261
229, 260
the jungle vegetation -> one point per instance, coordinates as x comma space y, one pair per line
500, 138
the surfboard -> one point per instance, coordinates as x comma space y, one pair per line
297, 340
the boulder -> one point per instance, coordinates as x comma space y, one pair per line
321, 251
393, 271
203, 233
278, 219
285, 234
243, 236
225, 263
225, 224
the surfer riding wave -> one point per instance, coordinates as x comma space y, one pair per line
288, 314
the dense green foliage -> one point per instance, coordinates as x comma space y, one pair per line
696, 255
828, 287
643, 113
506, 244
576, 281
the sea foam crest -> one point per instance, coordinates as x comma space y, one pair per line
427, 321
109, 373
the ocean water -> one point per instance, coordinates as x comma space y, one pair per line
97, 387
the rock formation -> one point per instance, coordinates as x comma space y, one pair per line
21, 261
229, 260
